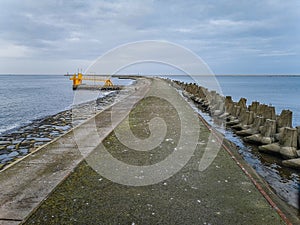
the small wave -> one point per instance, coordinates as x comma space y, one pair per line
12, 127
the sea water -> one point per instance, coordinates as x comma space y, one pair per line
24, 98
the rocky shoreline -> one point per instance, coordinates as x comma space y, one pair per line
257, 123
21, 141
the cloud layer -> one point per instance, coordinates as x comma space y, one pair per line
233, 37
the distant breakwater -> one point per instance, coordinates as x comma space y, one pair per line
256, 123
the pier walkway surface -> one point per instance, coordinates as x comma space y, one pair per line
92, 175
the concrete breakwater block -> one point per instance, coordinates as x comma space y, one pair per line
252, 128
288, 152
257, 123
270, 148
298, 130
242, 103
266, 135
236, 110
293, 163
275, 148
254, 106
269, 128
289, 137
284, 119
228, 103
266, 111
258, 139
246, 118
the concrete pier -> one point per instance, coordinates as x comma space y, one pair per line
58, 185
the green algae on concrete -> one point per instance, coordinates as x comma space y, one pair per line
221, 194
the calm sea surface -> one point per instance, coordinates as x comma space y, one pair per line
24, 98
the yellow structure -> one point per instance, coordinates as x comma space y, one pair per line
79, 77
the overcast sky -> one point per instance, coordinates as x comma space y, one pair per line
231, 36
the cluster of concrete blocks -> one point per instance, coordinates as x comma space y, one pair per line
256, 123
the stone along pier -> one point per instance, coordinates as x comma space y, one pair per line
59, 184
256, 123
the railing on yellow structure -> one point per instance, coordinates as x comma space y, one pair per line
79, 77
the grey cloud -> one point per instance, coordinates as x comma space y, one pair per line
221, 32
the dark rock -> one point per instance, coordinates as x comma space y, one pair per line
23, 151
42, 139
3, 156
6, 160
10, 147
15, 142
37, 144
5, 142
63, 128
13, 154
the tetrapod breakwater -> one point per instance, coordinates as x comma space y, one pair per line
256, 123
